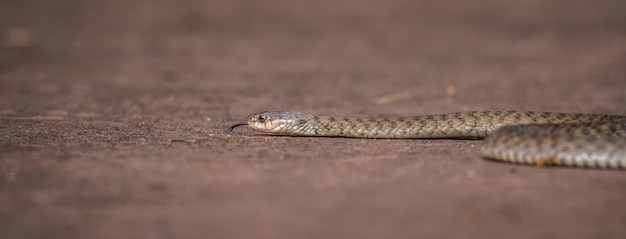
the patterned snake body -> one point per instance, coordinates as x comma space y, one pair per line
541, 138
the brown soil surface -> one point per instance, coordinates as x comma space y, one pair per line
112, 117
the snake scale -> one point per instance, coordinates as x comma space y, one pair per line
524, 137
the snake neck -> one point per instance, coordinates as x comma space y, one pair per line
475, 125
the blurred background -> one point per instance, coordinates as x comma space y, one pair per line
328, 56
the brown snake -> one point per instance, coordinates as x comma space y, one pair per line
539, 138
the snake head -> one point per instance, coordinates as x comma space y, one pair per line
278, 122
274, 121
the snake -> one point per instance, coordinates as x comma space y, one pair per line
581, 140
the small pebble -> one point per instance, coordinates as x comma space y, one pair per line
10, 176
471, 173
450, 90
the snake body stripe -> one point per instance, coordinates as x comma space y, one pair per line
540, 138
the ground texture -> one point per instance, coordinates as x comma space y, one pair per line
112, 117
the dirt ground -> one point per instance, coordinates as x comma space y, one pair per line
112, 117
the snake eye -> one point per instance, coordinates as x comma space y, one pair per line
262, 118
